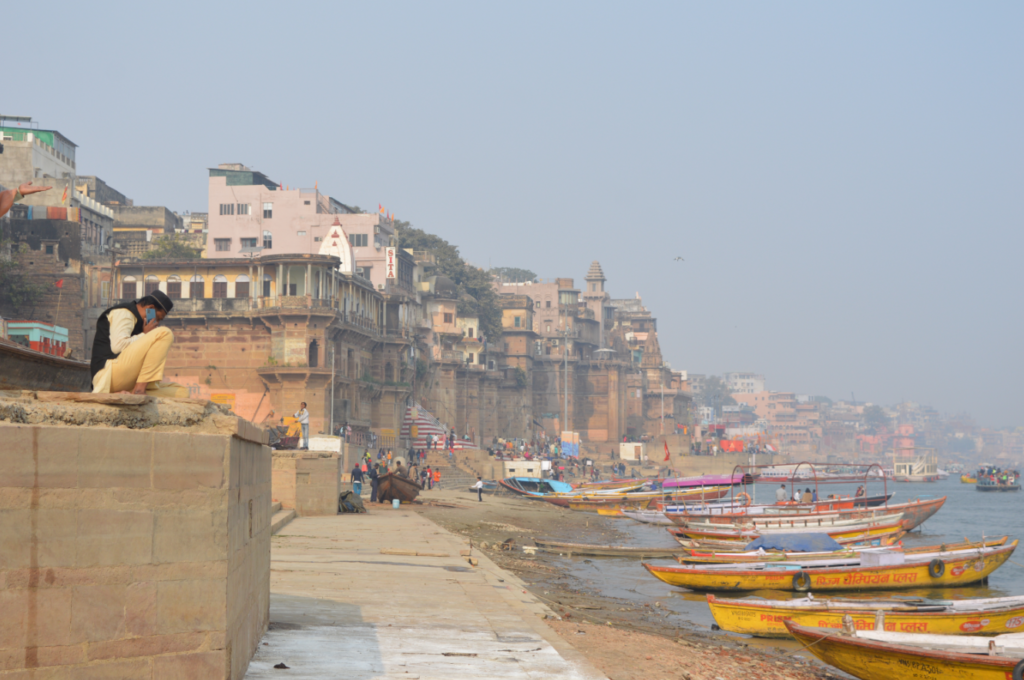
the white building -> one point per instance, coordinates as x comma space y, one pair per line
745, 383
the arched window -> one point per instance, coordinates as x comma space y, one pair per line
152, 283
388, 372
242, 286
314, 354
220, 286
174, 287
128, 288
196, 287
268, 240
266, 285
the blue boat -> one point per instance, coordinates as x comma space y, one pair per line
534, 487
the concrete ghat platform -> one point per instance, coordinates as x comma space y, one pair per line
340, 608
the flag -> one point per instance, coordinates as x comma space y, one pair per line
60, 284
666, 452
380, 208
64, 196
315, 185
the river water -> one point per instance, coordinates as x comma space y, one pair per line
967, 513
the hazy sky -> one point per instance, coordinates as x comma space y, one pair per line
843, 181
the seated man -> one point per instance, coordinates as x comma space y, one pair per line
130, 348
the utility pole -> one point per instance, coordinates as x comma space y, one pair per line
330, 432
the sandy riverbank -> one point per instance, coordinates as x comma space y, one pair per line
626, 638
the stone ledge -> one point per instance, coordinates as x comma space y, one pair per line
130, 411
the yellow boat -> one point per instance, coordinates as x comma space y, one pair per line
967, 479
764, 618
695, 556
875, 655
928, 570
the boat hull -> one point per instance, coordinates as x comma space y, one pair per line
958, 571
997, 487
22, 368
391, 486
571, 549
750, 617
870, 660
916, 478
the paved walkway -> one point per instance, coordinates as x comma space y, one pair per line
340, 608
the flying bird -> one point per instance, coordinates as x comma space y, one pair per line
679, 259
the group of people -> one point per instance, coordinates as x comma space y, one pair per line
367, 469
808, 496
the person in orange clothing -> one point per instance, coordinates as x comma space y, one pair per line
437, 477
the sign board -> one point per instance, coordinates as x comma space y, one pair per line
391, 262
224, 399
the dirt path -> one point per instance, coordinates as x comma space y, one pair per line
624, 640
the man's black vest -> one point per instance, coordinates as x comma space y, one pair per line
101, 350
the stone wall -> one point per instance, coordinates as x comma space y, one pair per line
307, 482
131, 547
63, 306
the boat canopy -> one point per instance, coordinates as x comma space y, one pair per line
809, 542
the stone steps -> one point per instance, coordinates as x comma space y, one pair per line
280, 519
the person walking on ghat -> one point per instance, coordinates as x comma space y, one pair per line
357, 480
374, 484
479, 486
303, 417
130, 348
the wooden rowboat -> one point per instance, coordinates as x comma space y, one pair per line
726, 557
392, 486
763, 618
571, 549
931, 570
879, 655
838, 533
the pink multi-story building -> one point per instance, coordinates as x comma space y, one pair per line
249, 213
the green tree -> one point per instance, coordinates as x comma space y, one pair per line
875, 418
469, 281
513, 274
715, 394
172, 247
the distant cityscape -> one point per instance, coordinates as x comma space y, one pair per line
286, 294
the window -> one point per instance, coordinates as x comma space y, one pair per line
105, 291
268, 211
49, 249
305, 203
470, 359
196, 288
128, 288
152, 284
470, 332
249, 242
268, 240
174, 287
227, 208
244, 209
549, 328
242, 287
302, 233
317, 239
537, 305
220, 287
548, 303
358, 240
222, 245
266, 286
518, 320
293, 289
448, 316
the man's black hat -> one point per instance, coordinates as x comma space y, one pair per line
162, 300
